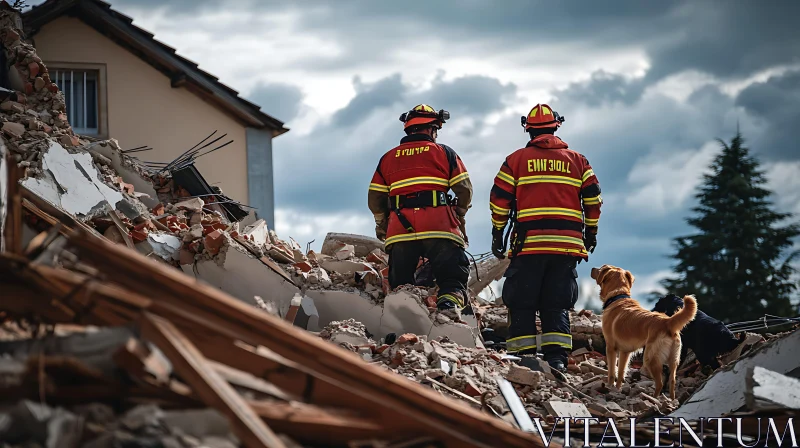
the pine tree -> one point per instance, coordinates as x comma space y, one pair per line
739, 263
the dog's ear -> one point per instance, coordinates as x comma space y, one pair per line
602, 275
630, 277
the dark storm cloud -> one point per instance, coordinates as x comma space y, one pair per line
469, 95
721, 37
725, 38
776, 104
331, 167
282, 101
602, 88
614, 133
369, 97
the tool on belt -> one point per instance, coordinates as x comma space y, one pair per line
420, 199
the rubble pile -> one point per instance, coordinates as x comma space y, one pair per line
37, 110
108, 340
469, 372
98, 425
342, 270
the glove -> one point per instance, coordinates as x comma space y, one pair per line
381, 225
497, 243
590, 242
380, 232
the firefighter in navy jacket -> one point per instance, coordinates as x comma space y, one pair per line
552, 197
414, 214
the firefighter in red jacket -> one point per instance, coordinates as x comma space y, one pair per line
552, 198
413, 213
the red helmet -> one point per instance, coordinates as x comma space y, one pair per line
542, 116
424, 114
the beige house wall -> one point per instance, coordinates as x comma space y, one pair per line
143, 109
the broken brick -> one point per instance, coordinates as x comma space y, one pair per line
186, 256
382, 348
194, 204
304, 266
13, 129
158, 210
214, 242
344, 252
408, 338
127, 188
139, 235
378, 256
430, 301
208, 228
33, 68
472, 389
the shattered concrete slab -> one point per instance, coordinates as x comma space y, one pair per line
307, 315
362, 245
257, 233
338, 305
724, 392
127, 170
768, 389
163, 244
243, 276
71, 182
405, 313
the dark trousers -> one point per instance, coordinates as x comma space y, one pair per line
449, 264
546, 284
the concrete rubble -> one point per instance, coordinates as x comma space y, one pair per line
342, 293
467, 372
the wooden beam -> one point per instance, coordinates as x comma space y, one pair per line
50, 212
220, 313
102, 304
190, 364
13, 229
310, 424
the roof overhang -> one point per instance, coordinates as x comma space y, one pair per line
180, 71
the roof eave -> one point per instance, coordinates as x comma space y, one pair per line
160, 56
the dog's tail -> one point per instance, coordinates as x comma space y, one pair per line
684, 315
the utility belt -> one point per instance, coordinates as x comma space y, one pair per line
519, 230
420, 199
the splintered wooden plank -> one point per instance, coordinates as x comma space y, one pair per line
314, 425
190, 364
215, 312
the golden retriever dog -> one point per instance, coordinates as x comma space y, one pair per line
627, 327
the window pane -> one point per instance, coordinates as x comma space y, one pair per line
80, 94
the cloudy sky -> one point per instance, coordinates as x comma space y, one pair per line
646, 88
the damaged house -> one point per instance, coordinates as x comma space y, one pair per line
119, 81
142, 308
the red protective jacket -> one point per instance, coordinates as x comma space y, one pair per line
418, 165
556, 196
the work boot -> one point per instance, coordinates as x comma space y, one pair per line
557, 364
445, 305
530, 361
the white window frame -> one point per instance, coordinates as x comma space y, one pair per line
102, 97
